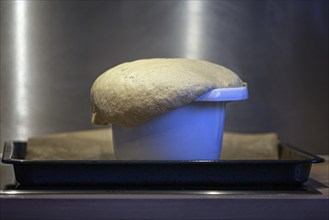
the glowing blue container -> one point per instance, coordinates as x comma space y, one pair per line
192, 132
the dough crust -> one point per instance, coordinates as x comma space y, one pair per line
134, 92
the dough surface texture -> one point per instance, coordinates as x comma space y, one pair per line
135, 92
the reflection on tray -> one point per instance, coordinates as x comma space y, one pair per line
307, 188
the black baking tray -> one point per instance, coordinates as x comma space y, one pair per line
291, 168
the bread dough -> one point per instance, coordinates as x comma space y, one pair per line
134, 92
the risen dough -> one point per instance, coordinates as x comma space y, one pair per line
134, 92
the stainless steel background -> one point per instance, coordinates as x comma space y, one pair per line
51, 52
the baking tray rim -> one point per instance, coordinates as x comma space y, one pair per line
9, 150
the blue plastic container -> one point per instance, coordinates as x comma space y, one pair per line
192, 132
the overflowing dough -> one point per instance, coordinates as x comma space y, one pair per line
134, 92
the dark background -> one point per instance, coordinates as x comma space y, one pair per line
52, 51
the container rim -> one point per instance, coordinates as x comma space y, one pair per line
225, 94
